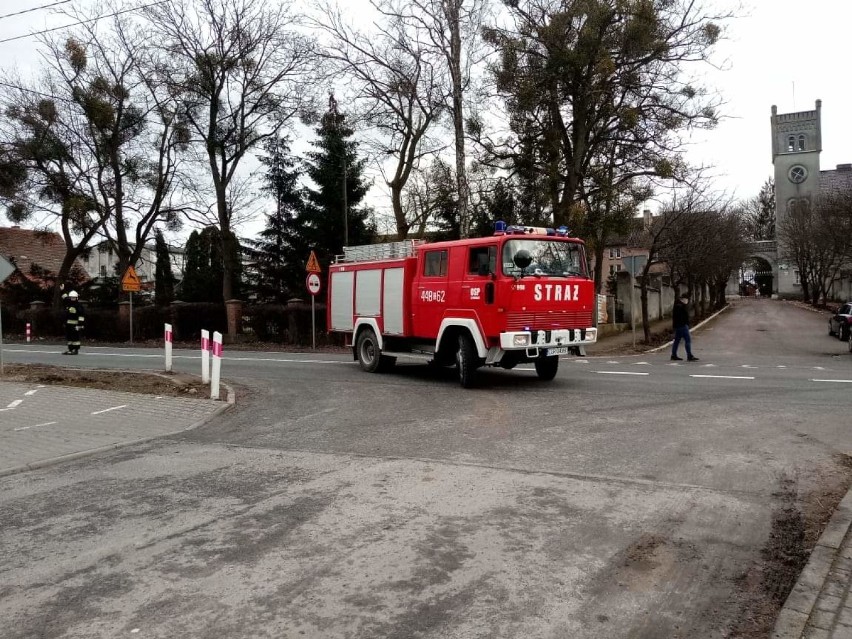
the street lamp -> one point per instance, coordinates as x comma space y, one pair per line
345, 203
332, 107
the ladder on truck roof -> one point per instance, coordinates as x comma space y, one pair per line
373, 252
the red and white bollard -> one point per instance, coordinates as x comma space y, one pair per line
217, 365
205, 357
29, 334
168, 342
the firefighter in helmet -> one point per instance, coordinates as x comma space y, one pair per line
74, 319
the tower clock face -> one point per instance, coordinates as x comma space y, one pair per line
797, 174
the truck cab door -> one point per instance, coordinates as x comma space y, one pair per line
478, 291
431, 294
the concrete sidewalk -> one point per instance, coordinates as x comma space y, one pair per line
41, 425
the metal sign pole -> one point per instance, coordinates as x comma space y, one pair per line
314, 321
131, 318
6, 269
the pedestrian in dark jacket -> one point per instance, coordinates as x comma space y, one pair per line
75, 317
680, 324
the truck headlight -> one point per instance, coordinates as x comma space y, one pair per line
521, 340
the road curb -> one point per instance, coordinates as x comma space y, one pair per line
695, 328
797, 609
229, 403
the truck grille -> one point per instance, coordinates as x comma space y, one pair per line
548, 320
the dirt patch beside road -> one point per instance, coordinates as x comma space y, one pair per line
169, 385
797, 523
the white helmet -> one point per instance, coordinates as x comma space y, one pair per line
73, 295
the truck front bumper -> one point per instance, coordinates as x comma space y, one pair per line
525, 340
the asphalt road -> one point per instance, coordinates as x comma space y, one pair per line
630, 497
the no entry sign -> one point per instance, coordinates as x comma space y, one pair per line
314, 284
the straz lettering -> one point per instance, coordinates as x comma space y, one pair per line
432, 296
557, 292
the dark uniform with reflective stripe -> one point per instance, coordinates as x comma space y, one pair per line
74, 322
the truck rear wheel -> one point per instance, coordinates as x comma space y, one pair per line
546, 367
467, 361
369, 353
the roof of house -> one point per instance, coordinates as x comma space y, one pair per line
30, 250
836, 181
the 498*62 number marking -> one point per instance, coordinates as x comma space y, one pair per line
432, 296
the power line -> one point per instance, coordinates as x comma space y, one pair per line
91, 20
44, 6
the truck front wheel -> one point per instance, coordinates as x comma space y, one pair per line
546, 367
370, 356
467, 361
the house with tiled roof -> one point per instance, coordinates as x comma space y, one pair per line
37, 257
626, 252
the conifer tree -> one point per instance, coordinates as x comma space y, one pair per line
277, 253
164, 279
204, 270
330, 218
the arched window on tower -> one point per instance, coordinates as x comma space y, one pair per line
801, 143
791, 143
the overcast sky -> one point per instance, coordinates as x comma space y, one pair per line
784, 52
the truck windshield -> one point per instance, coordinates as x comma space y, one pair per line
549, 258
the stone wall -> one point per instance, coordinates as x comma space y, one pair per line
661, 299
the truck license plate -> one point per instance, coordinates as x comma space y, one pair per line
562, 350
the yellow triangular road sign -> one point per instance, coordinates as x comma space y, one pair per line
130, 281
313, 264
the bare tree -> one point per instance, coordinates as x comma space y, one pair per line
579, 77
703, 249
242, 71
664, 238
400, 90
453, 28
100, 142
818, 238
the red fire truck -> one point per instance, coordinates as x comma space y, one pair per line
522, 295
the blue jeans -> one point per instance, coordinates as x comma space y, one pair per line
682, 332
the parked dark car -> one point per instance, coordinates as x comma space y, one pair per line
840, 323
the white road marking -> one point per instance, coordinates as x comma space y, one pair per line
15, 403
106, 410
620, 373
781, 366
819, 368
37, 426
748, 366
834, 381
722, 376
613, 362
642, 364
582, 361
709, 365
32, 392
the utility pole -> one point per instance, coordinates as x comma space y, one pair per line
345, 204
